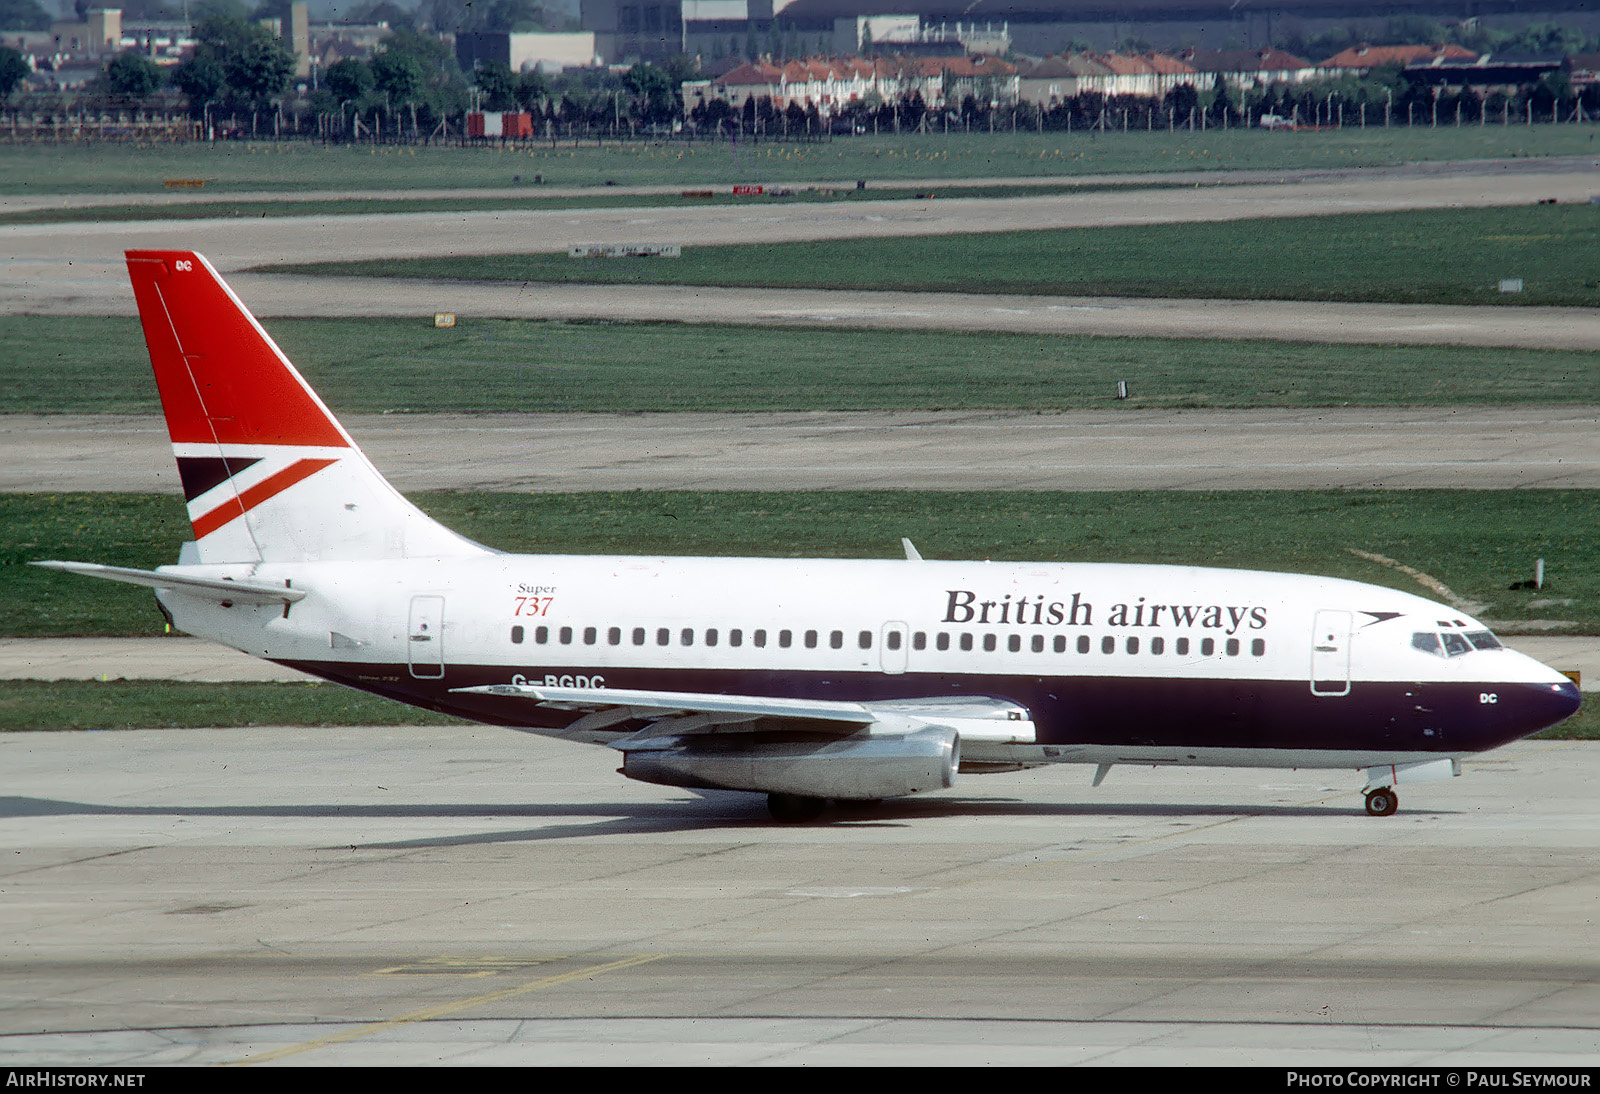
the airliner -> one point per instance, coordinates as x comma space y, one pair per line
807, 681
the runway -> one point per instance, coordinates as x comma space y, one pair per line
1321, 448
77, 269
469, 895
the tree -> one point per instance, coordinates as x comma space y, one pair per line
532, 89
132, 77
348, 79
200, 79
234, 62
13, 70
498, 84
399, 75
259, 68
385, 11
23, 15
651, 90
1221, 100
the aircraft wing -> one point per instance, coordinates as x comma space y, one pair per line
680, 712
664, 704
226, 589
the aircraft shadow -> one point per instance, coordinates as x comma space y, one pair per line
710, 811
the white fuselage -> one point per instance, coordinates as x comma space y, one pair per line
1113, 662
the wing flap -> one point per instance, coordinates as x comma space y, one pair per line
675, 713
659, 704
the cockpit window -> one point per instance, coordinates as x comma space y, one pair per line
1454, 643
1427, 642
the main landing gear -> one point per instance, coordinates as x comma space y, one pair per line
1382, 801
794, 808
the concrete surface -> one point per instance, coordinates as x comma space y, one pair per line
78, 268
469, 895
1461, 447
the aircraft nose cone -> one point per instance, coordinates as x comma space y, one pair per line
1544, 705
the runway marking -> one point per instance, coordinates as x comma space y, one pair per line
465, 966
448, 1008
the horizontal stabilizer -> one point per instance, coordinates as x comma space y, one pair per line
219, 589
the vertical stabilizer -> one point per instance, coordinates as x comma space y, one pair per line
268, 473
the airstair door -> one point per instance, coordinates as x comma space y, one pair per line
1330, 654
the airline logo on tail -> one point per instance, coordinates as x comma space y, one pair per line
220, 489
268, 472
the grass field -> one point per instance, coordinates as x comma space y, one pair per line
167, 704
293, 167
1435, 256
60, 365
1477, 543
40, 705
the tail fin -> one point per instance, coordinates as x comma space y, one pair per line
268, 472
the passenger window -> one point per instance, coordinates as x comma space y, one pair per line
541, 635
711, 636
943, 641
1038, 643
1014, 643
811, 640
1061, 643
919, 641
1158, 645
638, 636
1133, 645
614, 636
736, 637
1182, 647
516, 635
759, 638
1083, 643
988, 643
864, 640
1208, 646
686, 636
663, 637
1108, 644
589, 635
1233, 647
892, 639
966, 641
1258, 647
785, 639
566, 636
836, 640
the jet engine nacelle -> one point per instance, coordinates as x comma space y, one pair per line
857, 768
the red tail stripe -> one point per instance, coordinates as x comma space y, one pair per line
267, 488
222, 379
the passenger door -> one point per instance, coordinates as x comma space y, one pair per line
1330, 653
